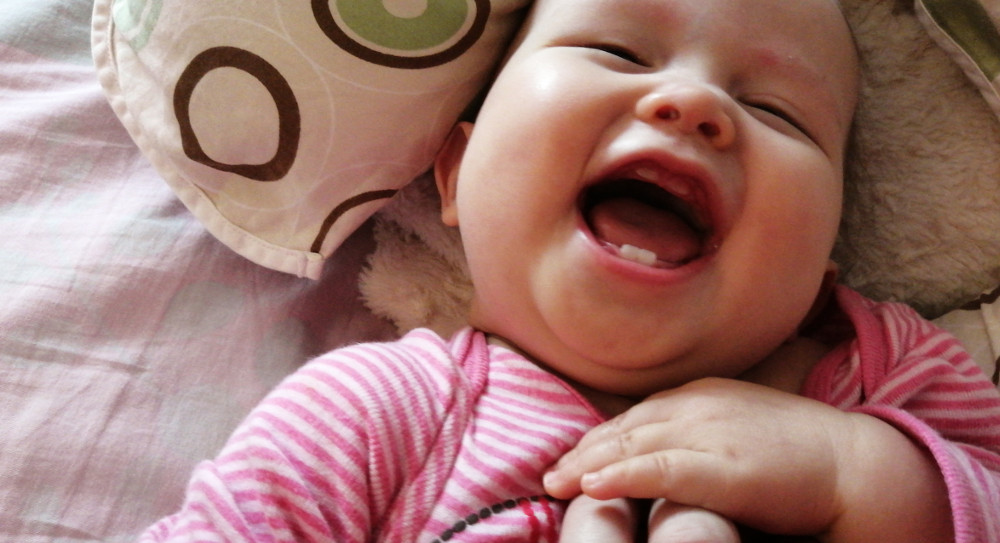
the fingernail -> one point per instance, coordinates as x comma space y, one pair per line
550, 479
591, 480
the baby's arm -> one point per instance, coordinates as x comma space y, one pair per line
617, 520
924, 420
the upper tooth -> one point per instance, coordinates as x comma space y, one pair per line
647, 174
676, 186
670, 183
637, 254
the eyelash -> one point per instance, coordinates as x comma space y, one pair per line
618, 51
779, 113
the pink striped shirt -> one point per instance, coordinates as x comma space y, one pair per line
416, 440
427, 440
904, 370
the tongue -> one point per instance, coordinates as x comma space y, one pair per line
626, 221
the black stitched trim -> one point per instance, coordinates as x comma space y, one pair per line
486, 513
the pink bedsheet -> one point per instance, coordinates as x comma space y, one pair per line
131, 341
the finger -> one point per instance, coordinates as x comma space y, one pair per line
562, 481
560, 485
673, 523
655, 408
586, 455
587, 519
681, 476
704, 395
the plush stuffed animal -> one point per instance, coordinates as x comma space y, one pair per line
922, 215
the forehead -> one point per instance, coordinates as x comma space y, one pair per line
798, 39
808, 21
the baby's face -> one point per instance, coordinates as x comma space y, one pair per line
652, 189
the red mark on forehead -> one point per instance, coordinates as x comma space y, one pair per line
785, 62
768, 58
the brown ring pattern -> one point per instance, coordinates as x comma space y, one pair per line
289, 124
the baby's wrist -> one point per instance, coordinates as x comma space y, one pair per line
888, 490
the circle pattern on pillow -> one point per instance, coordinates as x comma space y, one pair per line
401, 37
289, 119
282, 125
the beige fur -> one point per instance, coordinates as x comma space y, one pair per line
922, 214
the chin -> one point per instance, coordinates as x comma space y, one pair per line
623, 375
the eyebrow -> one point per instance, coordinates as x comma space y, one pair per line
793, 68
786, 65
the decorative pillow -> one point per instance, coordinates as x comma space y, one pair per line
284, 125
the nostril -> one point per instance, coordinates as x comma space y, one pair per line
710, 130
689, 111
668, 113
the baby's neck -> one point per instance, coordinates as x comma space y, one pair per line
785, 369
788, 367
607, 403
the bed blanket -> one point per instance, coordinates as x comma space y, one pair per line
131, 341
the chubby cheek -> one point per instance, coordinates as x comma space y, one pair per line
797, 210
552, 101
788, 234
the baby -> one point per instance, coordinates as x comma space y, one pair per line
648, 200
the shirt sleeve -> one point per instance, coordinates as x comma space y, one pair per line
917, 377
322, 457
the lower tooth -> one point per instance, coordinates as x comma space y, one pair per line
636, 254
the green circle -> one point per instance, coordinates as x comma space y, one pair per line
137, 19
370, 20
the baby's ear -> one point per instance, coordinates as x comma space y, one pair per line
446, 167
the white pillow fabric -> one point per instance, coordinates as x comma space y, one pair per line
977, 326
283, 125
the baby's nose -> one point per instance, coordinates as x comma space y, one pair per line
692, 109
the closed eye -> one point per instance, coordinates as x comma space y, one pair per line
780, 113
619, 51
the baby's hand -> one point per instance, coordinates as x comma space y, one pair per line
765, 458
618, 520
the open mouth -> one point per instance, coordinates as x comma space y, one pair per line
650, 217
